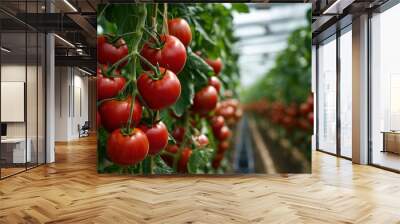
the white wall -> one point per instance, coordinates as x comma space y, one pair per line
71, 94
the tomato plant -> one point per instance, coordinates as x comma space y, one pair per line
180, 29
110, 53
170, 53
115, 113
157, 99
127, 149
157, 134
161, 92
109, 86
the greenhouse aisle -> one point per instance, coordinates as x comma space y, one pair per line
259, 149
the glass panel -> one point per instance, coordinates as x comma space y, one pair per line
385, 89
346, 94
13, 86
31, 97
41, 99
327, 96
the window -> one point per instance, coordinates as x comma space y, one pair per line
346, 92
385, 89
327, 96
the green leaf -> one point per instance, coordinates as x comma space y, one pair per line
102, 137
240, 7
146, 164
199, 28
187, 93
199, 159
161, 167
113, 169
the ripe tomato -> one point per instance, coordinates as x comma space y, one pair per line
292, 110
201, 140
217, 122
215, 64
217, 160
311, 119
127, 149
115, 113
185, 156
157, 135
169, 159
178, 133
214, 81
110, 53
180, 29
162, 93
222, 147
108, 87
205, 100
98, 120
223, 133
171, 55
288, 121
227, 111
303, 124
305, 108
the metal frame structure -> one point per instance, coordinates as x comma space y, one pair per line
44, 74
340, 24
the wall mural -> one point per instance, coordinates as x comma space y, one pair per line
170, 96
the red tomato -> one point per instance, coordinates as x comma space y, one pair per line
201, 140
185, 156
127, 149
205, 100
169, 159
115, 113
98, 120
217, 160
214, 81
108, 87
227, 111
288, 121
171, 55
311, 119
217, 122
310, 99
223, 133
109, 53
291, 110
180, 29
215, 64
304, 108
178, 133
157, 135
162, 93
222, 147
303, 124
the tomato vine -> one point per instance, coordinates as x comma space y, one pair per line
185, 67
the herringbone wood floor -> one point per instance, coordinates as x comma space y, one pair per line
70, 191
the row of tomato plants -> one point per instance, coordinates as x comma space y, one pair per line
293, 121
161, 107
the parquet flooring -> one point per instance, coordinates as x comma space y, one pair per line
70, 191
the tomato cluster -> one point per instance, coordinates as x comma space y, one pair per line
292, 116
135, 110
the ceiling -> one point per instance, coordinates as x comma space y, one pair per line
263, 34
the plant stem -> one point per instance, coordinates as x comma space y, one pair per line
165, 18
154, 68
135, 44
151, 164
184, 141
116, 64
154, 18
